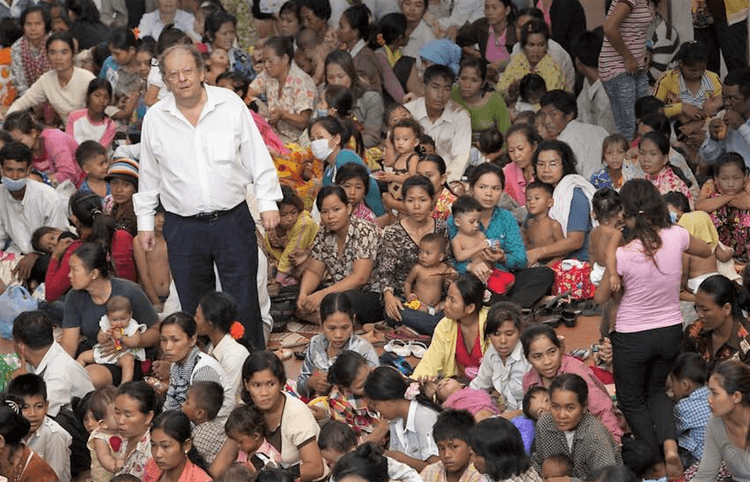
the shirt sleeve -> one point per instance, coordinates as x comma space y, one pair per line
483, 380
147, 197
58, 391
434, 360
711, 149
579, 212
34, 96
64, 160
460, 147
57, 453
56, 280
708, 470
307, 369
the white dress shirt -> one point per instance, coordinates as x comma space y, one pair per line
562, 57
465, 11
506, 378
52, 443
152, 25
594, 107
418, 38
203, 168
65, 378
40, 206
452, 134
586, 140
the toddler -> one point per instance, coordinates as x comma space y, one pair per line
686, 385
337, 321
337, 438
405, 135
451, 434
104, 442
536, 402
455, 393
46, 437
216, 64
558, 465
153, 266
247, 427
92, 158
311, 54
470, 241
531, 89
614, 173
425, 284
346, 401
605, 238
539, 229
647, 464
119, 326
202, 405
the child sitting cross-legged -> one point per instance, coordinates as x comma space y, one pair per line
451, 433
104, 442
469, 242
247, 427
119, 326
46, 437
336, 439
540, 230
202, 405
425, 284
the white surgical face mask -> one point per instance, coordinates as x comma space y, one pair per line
320, 149
14, 185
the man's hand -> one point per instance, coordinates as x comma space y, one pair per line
270, 220
147, 240
23, 269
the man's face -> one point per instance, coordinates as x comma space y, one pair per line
734, 100
15, 169
182, 76
556, 120
437, 93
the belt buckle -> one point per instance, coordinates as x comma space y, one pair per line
209, 217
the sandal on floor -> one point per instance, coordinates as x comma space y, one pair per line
417, 348
397, 347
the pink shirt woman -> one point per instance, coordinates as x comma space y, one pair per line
522, 140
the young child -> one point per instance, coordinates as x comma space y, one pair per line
247, 427
405, 135
425, 284
433, 168
216, 64
336, 439
355, 180
613, 174
558, 465
536, 402
455, 393
104, 442
92, 123
539, 229
47, 239
605, 238
490, 148
531, 89
202, 405
504, 365
119, 326
46, 437
310, 54
346, 401
337, 320
451, 434
92, 158
153, 266
686, 385
470, 241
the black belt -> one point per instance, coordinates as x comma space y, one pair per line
212, 216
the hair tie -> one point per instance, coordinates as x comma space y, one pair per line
640, 212
412, 391
237, 330
13, 406
380, 40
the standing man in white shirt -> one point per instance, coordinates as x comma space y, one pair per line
200, 149
25, 206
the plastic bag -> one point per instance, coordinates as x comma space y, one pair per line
15, 300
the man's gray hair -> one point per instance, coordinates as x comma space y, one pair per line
190, 49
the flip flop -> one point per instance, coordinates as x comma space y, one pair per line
375, 337
417, 348
397, 347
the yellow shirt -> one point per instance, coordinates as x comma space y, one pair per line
519, 66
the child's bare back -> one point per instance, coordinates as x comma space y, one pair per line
158, 267
428, 283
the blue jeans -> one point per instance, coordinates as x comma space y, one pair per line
419, 321
623, 91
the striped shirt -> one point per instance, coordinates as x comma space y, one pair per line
633, 30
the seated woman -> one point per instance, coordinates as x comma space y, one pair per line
54, 151
653, 157
486, 109
178, 333
28, 54
221, 31
555, 164
458, 342
91, 288
399, 253
521, 140
345, 247
140, 401
724, 197
592, 444
534, 58
544, 350
433, 168
290, 91
387, 39
123, 180
418, 32
64, 87
495, 34
353, 34
172, 429
368, 105
289, 243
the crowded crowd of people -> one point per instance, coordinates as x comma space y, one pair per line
431, 180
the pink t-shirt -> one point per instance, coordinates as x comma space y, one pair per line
652, 290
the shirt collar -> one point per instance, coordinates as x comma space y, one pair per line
517, 353
47, 358
420, 112
211, 102
411, 424
357, 48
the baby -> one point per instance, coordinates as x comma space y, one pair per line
536, 402
558, 465
217, 64
606, 237
104, 442
469, 242
539, 229
424, 285
455, 393
119, 326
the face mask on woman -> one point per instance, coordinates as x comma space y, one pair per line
14, 185
320, 149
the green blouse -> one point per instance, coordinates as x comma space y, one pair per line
493, 112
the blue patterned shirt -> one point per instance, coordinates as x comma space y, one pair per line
691, 416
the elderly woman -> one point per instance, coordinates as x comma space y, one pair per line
64, 87
28, 54
92, 287
555, 164
290, 91
534, 59
495, 34
399, 252
346, 247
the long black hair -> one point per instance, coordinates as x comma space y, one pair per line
176, 425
